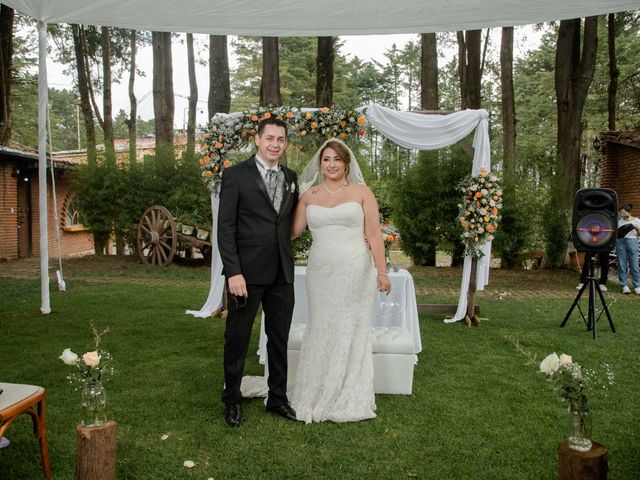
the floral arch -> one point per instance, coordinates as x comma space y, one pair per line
413, 130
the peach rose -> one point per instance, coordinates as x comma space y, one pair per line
362, 120
207, 173
91, 359
267, 115
227, 163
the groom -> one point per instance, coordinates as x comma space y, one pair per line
257, 199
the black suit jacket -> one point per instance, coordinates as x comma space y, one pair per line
252, 236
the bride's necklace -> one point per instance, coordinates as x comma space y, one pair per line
333, 194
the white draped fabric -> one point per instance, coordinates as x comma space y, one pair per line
216, 289
431, 132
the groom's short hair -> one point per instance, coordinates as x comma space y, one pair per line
272, 121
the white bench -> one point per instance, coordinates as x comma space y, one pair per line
393, 358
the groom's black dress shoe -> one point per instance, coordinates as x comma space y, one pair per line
233, 414
284, 411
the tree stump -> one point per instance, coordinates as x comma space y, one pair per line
96, 452
591, 465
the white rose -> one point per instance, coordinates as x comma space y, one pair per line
68, 357
565, 359
550, 364
492, 203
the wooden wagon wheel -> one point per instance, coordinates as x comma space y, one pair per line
157, 237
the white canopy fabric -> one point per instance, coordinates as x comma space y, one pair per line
312, 17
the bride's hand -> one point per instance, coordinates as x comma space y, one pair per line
384, 284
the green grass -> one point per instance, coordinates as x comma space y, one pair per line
478, 411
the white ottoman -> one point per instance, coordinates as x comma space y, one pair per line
393, 358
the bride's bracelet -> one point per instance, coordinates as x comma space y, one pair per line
381, 273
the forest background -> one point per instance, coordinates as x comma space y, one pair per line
547, 106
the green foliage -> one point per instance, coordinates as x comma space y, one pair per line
425, 205
556, 231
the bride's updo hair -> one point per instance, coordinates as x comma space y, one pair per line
340, 149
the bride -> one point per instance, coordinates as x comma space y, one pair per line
334, 380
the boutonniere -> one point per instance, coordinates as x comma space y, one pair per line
292, 188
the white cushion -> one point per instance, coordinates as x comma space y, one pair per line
13, 393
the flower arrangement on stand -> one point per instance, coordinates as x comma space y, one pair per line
226, 133
573, 384
93, 368
479, 213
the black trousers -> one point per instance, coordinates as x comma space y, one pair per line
603, 259
277, 301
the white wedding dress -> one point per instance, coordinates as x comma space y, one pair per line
334, 379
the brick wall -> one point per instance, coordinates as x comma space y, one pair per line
621, 171
71, 243
8, 213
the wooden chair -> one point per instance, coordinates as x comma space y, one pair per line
17, 399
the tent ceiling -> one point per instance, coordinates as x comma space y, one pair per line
313, 18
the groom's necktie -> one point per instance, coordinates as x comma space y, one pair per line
272, 181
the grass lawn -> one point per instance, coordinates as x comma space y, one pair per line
478, 410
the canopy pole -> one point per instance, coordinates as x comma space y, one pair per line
45, 307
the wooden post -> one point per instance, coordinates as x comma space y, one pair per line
96, 452
574, 465
471, 317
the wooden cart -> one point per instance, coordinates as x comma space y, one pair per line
158, 238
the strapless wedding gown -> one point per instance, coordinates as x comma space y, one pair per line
334, 379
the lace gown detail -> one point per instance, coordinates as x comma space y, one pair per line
334, 379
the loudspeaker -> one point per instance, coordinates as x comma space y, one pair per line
595, 220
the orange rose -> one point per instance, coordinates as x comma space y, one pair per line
254, 118
325, 109
478, 194
244, 134
308, 115
314, 125
494, 211
227, 163
289, 114
204, 160
490, 228
267, 115
390, 238
362, 120
207, 173
218, 145
252, 131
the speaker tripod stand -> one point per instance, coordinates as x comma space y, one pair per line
592, 284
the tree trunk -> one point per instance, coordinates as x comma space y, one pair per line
83, 89
573, 75
508, 113
429, 72
6, 65
193, 99
219, 85
133, 102
471, 317
473, 74
270, 85
614, 73
324, 71
163, 103
429, 101
87, 67
110, 150
96, 452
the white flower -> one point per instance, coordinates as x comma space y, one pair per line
565, 359
293, 187
68, 357
550, 364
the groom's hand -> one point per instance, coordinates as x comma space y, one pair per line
238, 286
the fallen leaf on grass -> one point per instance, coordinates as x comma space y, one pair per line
164, 437
189, 464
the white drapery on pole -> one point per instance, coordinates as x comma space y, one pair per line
431, 132
216, 289
43, 99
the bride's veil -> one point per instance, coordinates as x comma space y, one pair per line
312, 175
